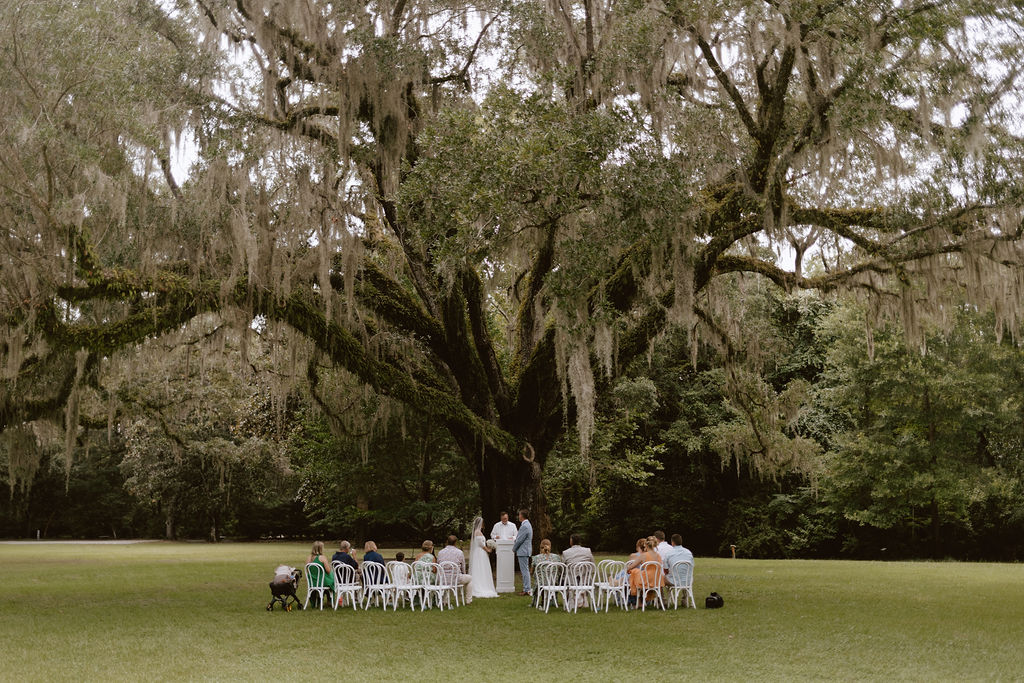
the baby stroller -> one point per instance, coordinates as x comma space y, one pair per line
282, 588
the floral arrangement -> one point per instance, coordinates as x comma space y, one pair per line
491, 544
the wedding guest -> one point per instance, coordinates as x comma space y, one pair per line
344, 555
576, 552
655, 576
316, 555
545, 554
399, 556
636, 558
634, 561
678, 552
370, 553
663, 547
451, 553
426, 553
503, 530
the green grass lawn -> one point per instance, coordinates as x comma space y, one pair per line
171, 611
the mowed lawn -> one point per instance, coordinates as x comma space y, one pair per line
170, 611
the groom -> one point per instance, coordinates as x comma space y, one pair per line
523, 547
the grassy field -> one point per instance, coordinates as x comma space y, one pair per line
169, 611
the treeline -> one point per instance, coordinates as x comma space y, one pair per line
849, 442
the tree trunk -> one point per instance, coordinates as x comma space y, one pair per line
362, 504
169, 523
510, 484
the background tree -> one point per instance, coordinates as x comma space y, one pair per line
929, 438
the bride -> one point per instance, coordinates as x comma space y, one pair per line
482, 582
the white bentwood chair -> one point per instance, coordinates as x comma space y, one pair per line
580, 583
652, 578
448, 578
680, 578
345, 583
316, 583
405, 587
551, 584
612, 582
428, 578
377, 586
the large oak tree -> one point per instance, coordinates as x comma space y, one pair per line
482, 210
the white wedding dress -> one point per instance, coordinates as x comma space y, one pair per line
481, 581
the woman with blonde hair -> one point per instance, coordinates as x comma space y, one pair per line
636, 558
316, 556
545, 554
370, 553
646, 551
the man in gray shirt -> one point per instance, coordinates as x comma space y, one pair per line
576, 553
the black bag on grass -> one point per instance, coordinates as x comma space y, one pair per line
713, 601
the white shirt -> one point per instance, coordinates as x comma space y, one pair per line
663, 549
504, 531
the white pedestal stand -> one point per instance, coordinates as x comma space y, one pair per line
506, 567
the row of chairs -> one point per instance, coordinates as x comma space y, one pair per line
431, 583
607, 581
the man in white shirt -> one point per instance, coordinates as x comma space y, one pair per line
663, 547
504, 530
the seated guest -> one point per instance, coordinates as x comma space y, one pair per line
655, 576
370, 553
451, 553
575, 552
545, 554
399, 556
316, 556
663, 547
636, 558
678, 552
426, 552
634, 561
344, 555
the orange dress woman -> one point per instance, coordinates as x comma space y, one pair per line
655, 574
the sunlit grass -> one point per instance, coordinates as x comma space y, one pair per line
192, 611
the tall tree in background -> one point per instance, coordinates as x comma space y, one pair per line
471, 207
928, 438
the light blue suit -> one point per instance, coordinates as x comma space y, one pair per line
523, 548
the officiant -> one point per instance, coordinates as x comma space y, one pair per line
503, 530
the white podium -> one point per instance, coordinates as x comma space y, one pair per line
505, 561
